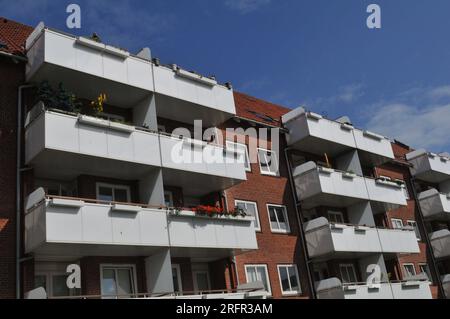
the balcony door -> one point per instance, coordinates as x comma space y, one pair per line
118, 281
201, 281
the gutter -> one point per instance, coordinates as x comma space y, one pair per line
19, 188
13, 56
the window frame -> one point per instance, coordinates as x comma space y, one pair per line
292, 292
416, 228
397, 220
194, 279
404, 270
428, 272
337, 213
127, 188
170, 193
268, 173
234, 146
286, 216
348, 265
236, 201
115, 267
180, 282
246, 267
48, 275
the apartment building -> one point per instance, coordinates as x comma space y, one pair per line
320, 209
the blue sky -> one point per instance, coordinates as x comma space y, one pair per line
314, 53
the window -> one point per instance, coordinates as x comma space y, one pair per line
112, 117
405, 188
118, 281
255, 273
348, 273
320, 271
113, 193
168, 198
289, 279
409, 270
201, 281
267, 162
244, 148
413, 224
279, 222
176, 276
335, 217
54, 284
251, 209
424, 269
397, 223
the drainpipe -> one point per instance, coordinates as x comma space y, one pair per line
412, 182
19, 187
299, 217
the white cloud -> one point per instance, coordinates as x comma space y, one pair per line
246, 6
417, 120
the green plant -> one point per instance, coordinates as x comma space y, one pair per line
57, 99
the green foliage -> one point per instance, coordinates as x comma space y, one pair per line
57, 99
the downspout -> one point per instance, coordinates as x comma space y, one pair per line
19, 187
299, 217
427, 238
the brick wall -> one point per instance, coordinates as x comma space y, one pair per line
11, 76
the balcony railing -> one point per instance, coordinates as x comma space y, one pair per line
321, 186
429, 167
126, 228
435, 206
333, 289
329, 240
440, 241
312, 132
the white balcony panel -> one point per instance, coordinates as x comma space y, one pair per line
200, 157
332, 288
435, 206
398, 241
327, 187
82, 65
324, 240
313, 133
188, 230
385, 195
429, 167
440, 241
215, 96
373, 145
446, 285
97, 138
92, 224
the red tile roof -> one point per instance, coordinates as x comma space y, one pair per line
13, 35
254, 109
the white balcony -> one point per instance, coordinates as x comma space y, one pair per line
186, 96
320, 186
325, 240
76, 228
71, 227
313, 133
188, 231
87, 67
333, 289
440, 241
429, 167
200, 167
62, 145
435, 206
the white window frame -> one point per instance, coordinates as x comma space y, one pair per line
115, 267
274, 158
266, 272
234, 146
258, 229
404, 269
113, 187
352, 266
394, 220
286, 217
405, 188
170, 194
290, 292
180, 282
413, 224
428, 273
337, 213
194, 279
49, 281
